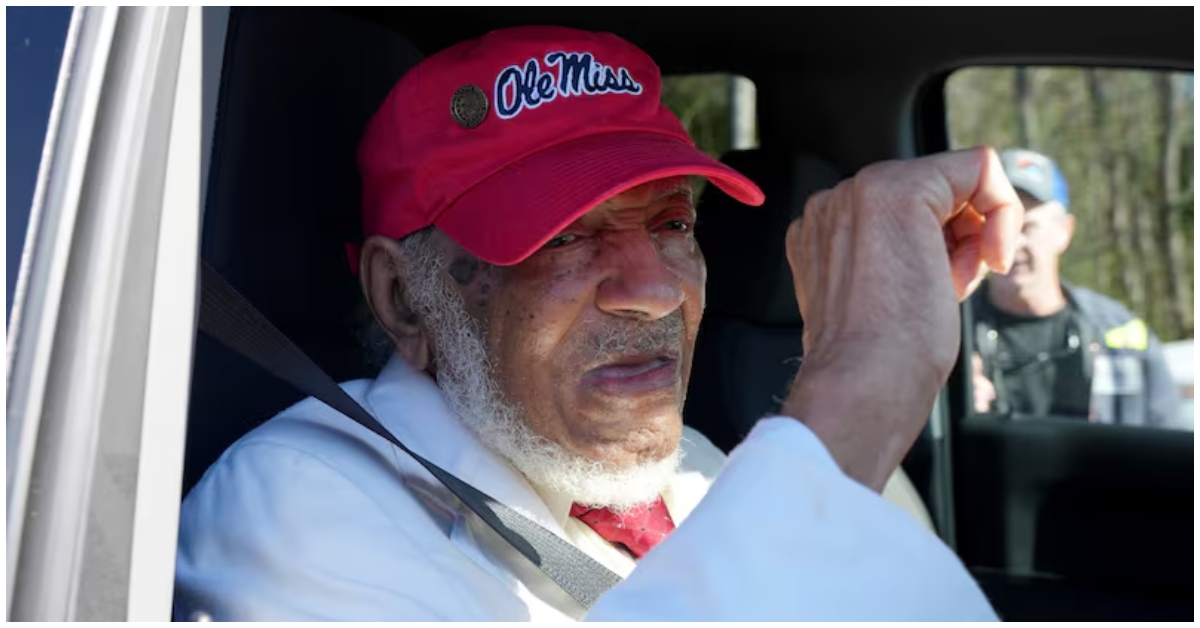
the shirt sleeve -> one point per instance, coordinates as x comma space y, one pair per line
1162, 396
266, 536
785, 535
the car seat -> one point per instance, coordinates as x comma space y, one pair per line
297, 89
749, 345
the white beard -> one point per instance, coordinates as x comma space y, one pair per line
464, 374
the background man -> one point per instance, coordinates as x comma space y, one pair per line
1049, 348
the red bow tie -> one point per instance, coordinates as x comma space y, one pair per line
638, 530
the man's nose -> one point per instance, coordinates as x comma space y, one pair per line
637, 282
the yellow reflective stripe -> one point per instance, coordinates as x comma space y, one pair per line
1131, 335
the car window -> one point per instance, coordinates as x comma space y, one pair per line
1095, 321
719, 111
36, 37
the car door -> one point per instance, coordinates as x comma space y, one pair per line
102, 321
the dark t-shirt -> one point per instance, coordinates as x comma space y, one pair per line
1038, 365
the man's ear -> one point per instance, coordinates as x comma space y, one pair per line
1068, 230
383, 267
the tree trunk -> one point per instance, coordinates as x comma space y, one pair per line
1129, 237
1139, 156
1026, 109
1139, 217
1170, 234
1099, 201
1115, 213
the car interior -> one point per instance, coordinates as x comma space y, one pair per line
1057, 520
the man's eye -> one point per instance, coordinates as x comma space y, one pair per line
677, 225
560, 240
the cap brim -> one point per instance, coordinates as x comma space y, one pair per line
1022, 183
512, 213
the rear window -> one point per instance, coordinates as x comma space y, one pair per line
718, 110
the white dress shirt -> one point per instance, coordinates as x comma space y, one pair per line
313, 517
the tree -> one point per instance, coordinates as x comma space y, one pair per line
701, 102
1124, 141
1170, 232
1026, 111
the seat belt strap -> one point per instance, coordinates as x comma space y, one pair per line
234, 322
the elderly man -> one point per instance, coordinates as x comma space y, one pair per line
1048, 348
531, 258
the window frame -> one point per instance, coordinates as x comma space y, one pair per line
101, 342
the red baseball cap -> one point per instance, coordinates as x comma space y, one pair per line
503, 141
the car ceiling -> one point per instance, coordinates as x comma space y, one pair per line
681, 40
845, 83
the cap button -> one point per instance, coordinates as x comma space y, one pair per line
469, 106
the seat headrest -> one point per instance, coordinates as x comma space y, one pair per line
748, 274
284, 195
